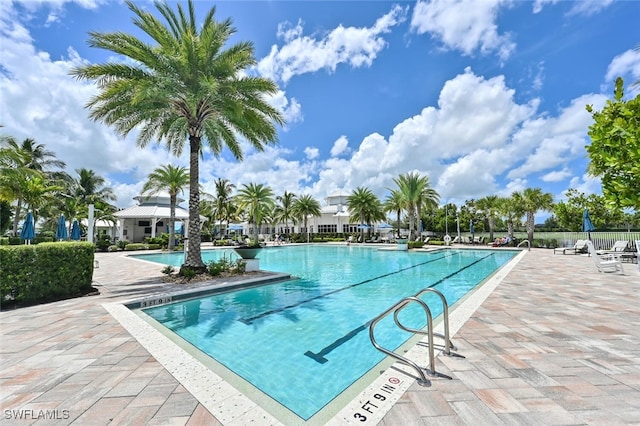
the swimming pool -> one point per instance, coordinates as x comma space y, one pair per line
302, 342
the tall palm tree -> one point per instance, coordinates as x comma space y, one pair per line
365, 207
256, 200
184, 86
532, 201
489, 206
172, 179
417, 194
303, 207
222, 201
394, 203
38, 193
90, 188
283, 209
511, 210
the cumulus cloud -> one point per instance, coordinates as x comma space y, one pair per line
627, 63
311, 152
464, 25
340, 146
357, 47
51, 109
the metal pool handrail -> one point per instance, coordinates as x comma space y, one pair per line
422, 380
448, 345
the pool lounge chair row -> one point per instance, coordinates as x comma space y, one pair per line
468, 240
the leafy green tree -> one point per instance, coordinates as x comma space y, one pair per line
569, 213
303, 207
532, 201
283, 210
256, 200
186, 86
615, 149
172, 179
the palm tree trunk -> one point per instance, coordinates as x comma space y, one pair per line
306, 228
172, 223
255, 228
194, 257
530, 224
16, 218
491, 226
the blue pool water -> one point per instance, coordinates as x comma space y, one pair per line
304, 341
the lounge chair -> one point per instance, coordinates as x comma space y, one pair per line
618, 247
638, 253
499, 242
604, 263
579, 247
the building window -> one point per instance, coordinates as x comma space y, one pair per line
324, 229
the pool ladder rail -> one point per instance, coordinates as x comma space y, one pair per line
448, 345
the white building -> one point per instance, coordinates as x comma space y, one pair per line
150, 218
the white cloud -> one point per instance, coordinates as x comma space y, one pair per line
558, 140
301, 54
311, 152
627, 63
41, 101
557, 175
583, 7
291, 108
340, 146
465, 25
589, 7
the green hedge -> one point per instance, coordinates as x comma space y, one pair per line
135, 247
45, 272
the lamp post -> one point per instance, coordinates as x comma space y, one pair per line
446, 219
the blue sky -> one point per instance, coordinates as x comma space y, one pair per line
485, 97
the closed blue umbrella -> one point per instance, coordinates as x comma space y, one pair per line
61, 230
75, 231
587, 225
28, 229
471, 227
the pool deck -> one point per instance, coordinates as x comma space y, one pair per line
555, 343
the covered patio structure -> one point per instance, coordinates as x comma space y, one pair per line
150, 218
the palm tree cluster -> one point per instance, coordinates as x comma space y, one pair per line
257, 205
33, 178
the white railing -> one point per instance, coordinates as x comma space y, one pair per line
601, 240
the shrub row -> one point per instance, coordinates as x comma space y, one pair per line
45, 272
